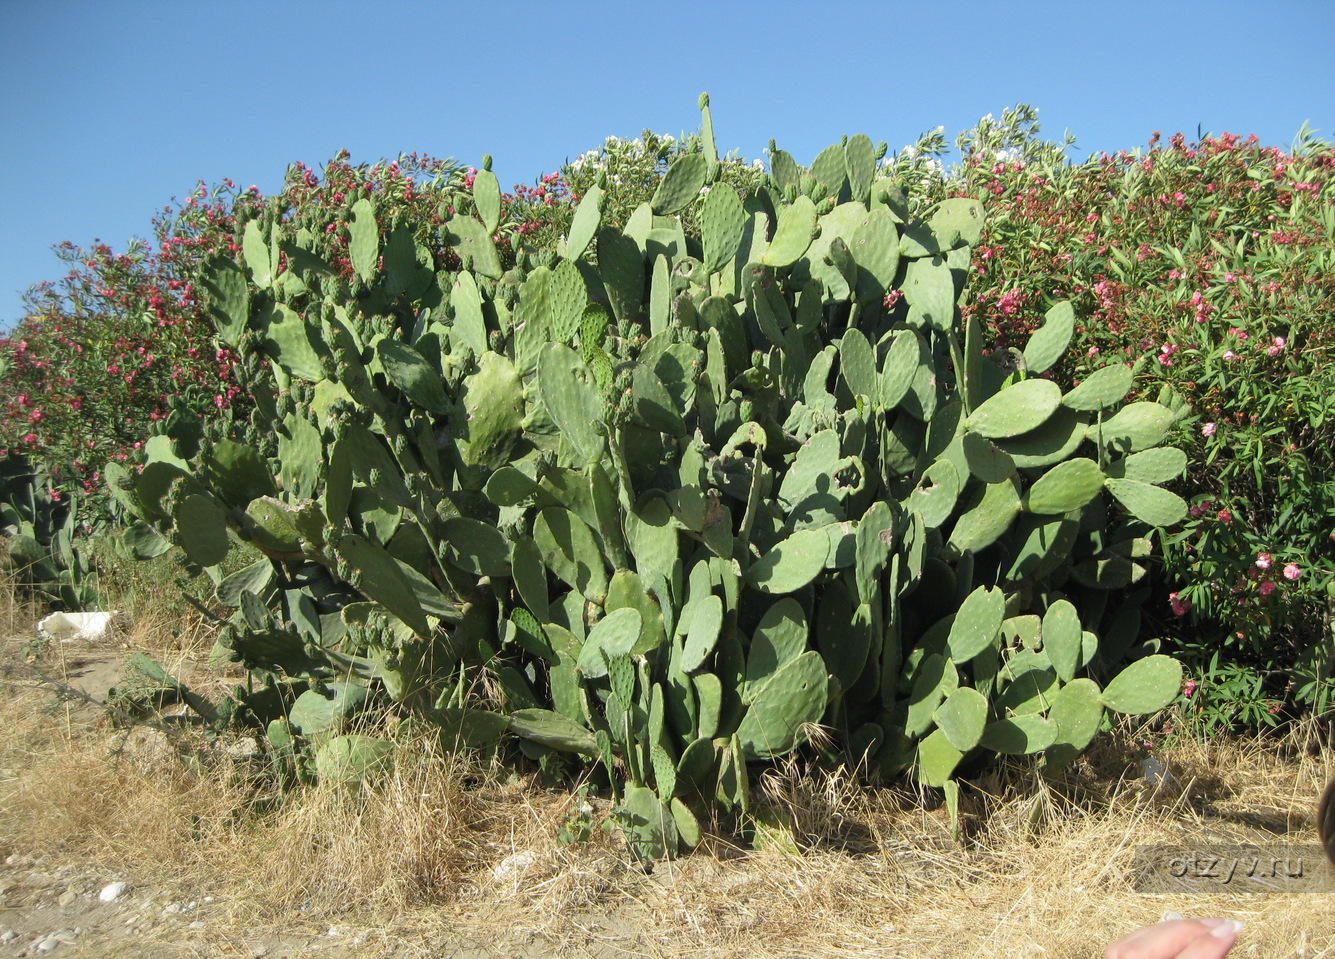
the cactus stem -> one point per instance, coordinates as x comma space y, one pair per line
707, 133
623, 470
752, 501
957, 358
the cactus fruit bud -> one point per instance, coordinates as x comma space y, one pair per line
486, 162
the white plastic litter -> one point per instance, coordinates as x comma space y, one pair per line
86, 626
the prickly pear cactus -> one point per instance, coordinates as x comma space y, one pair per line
684, 498
39, 544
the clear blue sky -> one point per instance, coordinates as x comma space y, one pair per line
109, 110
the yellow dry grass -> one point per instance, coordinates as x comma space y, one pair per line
447, 858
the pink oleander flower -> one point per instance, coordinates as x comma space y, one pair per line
1276, 346
1263, 561
1225, 516
1010, 303
1292, 572
1267, 587
1180, 606
1189, 687
1207, 429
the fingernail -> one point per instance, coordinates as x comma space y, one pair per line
1229, 927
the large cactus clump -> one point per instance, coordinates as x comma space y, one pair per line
680, 499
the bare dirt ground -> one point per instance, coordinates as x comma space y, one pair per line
451, 860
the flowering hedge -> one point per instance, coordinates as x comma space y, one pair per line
117, 345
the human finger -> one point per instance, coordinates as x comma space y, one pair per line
1205, 938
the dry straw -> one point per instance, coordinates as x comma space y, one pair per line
443, 856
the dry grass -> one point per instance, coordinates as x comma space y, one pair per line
1042, 870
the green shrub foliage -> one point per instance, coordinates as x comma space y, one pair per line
663, 500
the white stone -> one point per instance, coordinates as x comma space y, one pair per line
247, 747
113, 891
516, 864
